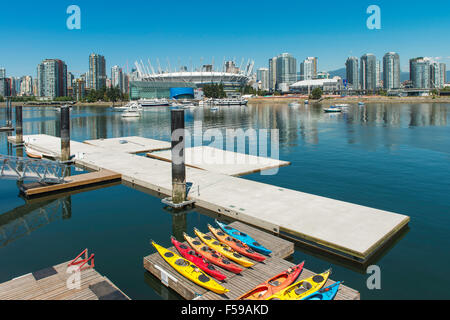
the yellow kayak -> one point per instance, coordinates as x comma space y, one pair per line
302, 288
189, 270
223, 249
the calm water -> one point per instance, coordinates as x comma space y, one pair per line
391, 157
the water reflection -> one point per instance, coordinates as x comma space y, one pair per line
25, 219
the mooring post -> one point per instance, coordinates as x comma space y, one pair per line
8, 114
65, 133
19, 127
178, 166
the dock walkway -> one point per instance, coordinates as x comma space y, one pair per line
51, 284
339, 227
248, 279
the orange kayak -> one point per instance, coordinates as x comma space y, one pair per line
236, 245
274, 284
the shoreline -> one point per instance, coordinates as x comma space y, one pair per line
352, 100
278, 100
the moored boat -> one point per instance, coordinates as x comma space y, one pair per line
189, 270
223, 249
212, 255
274, 284
302, 288
245, 238
327, 293
235, 244
332, 109
198, 260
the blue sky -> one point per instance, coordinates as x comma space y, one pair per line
184, 31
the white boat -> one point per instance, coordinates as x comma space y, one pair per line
360, 103
332, 109
127, 106
133, 110
230, 102
153, 102
344, 105
306, 101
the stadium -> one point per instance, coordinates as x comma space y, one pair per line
162, 84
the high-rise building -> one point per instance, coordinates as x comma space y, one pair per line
437, 75
70, 79
286, 70
2, 73
443, 73
378, 81
352, 72
52, 78
26, 86
368, 72
79, 89
391, 71
273, 74
262, 74
419, 72
117, 78
308, 69
126, 83
97, 71
230, 67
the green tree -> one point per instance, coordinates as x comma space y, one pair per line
316, 94
2, 99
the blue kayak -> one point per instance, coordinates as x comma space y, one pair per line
327, 293
245, 238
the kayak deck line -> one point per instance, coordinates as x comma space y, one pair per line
248, 278
344, 228
52, 284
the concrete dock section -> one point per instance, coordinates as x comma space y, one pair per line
222, 161
130, 144
340, 227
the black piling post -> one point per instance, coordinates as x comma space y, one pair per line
178, 165
65, 133
19, 127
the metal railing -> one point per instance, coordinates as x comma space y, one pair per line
20, 169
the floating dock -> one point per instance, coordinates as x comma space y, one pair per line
72, 182
337, 227
222, 161
241, 283
51, 284
130, 144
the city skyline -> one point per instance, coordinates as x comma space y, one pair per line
134, 39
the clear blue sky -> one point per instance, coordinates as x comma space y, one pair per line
182, 30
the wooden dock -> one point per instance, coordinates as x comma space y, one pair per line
51, 284
337, 227
73, 182
248, 279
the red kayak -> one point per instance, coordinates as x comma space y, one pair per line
212, 255
274, 284
198, 260
236, 245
